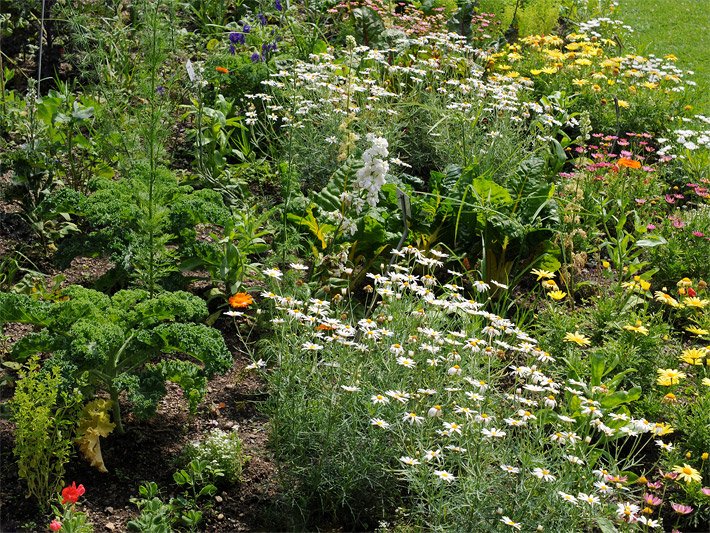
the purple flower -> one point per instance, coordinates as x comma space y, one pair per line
262, 19
651, 227
232, 49
278, 6
160, 90
255, 57
246, 28
698, 234
237, 38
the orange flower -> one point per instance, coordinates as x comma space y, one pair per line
241, 299
222, 70
629, 163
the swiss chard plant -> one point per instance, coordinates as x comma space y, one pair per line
505, 222
127, 342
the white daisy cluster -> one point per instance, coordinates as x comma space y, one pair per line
603, 26
688, 139
367, 82
458, 401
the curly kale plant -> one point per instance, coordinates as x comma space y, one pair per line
127, 342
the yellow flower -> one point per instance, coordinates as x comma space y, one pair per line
542, 274
706, 382
687, 473
596, 88
667, 299
670, 57
670, 398
645, 285
550, 70
623, 103
661, 429
556, 295
696, 302
685, 282
669, 376
650, 85
606, 264
582, 62
705, 456
638, 328
693, 356
577, 338
535, 71
549, 285
579, 83
697, 331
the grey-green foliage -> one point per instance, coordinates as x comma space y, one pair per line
126, 342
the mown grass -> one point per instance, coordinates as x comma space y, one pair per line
678, 27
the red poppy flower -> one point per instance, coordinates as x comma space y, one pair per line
55, 525
71, 494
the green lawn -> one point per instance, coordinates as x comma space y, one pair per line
679, 27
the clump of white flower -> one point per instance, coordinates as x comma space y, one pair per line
222, 451
371, 177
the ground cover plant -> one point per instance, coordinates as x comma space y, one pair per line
353, 265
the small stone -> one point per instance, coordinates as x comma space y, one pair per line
220, 516
110, 526
218, 499
109, 510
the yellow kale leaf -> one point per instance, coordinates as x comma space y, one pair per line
94, 424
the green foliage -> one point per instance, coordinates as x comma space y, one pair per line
119, 343
230, 258
44, 414
155, 515
158, 516
122, 223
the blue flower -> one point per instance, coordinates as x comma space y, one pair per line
246, 28
232, 49
278, 6
237, 38
255, 57
262, 19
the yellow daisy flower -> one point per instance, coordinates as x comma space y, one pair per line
687, 473
697, 331
696, 302
542, 274
693, 356
638, 328
577, 338
666, 299
669, 376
